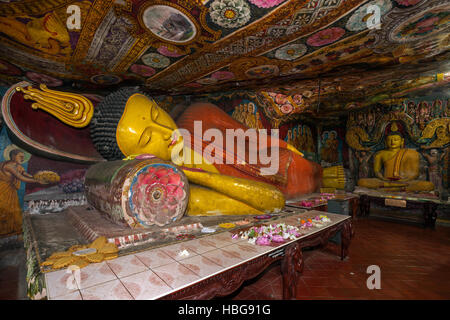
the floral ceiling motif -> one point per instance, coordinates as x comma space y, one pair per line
204, 46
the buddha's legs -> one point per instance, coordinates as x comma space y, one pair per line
412, 186
217, 194
206, 202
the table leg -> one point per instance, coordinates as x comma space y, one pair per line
364, 205
346, 236
291, 266
429, 214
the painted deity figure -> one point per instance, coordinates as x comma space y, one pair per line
363, 164
442, 138
329, 152
396, 168
310, 146
11, 175
434, 171
47, 34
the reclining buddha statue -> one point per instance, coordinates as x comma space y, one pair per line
396, 168
128, 123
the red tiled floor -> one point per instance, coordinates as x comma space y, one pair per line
414, 264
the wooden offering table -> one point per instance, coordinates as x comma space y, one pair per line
427, 205
290, 254
203, 268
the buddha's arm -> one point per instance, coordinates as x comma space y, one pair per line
260, 196
377, 166
410, 167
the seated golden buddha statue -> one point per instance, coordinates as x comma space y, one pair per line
396, 168
127, 123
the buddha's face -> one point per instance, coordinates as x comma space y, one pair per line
146, 128
394, 142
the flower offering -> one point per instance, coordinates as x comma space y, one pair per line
270, 235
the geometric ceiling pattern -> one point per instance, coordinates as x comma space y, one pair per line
327, 50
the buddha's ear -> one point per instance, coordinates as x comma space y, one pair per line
154, 112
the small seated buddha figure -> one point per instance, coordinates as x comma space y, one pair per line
396, 168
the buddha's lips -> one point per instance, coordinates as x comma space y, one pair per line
174, 141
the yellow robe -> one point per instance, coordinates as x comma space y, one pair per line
10, 210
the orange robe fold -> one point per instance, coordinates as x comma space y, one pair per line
295, 175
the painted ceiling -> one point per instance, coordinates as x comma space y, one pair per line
336, 52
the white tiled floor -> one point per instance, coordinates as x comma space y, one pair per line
154, 273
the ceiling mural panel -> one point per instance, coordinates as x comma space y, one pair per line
314, 51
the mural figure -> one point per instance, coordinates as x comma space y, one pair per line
310, 146
259, 123
11, 175
289, 138
47, 34
434, 171
423, 114
329, 152
442, 138
363, 164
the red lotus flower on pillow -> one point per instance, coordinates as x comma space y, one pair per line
159, 195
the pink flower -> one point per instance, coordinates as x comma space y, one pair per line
168, 52
277, 238
298, 99
222, 75
142, 70
266, 3
281, 98
263, 241
326, 36
286, 108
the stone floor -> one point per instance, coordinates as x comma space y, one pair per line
413, 261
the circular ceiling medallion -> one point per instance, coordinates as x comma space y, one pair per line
105, 79
359, 20
291, 51
155, 60
262, 71
207, 81
422, 25
169, 24
326, 36
142, 70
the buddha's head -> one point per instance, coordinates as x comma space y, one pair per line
394, 141
129, 123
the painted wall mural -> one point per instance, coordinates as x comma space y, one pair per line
13, 175
32, 183
302, 138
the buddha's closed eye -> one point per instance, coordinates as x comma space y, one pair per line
146, 136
